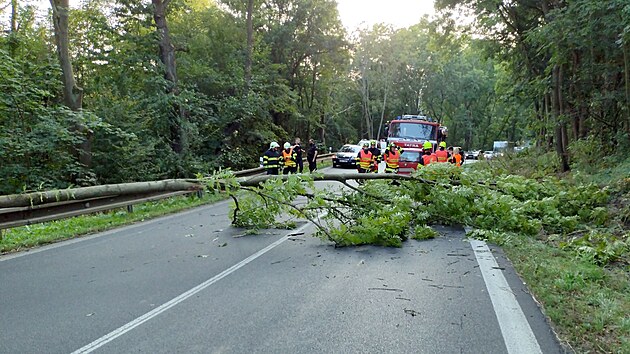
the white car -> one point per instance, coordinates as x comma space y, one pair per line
472, 154
488, 155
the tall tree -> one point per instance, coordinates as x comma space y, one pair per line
167, 56
250, 44
14, 14
72, 93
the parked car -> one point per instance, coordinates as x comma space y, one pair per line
488, 155
472, 154
346, 156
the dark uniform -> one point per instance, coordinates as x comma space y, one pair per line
376, 155
297, 148
311, 156
271, 161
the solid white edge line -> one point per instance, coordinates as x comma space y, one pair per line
158, 310
517, 334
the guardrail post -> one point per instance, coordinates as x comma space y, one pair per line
1, 234
130, 208
200, 193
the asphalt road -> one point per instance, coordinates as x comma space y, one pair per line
186, 284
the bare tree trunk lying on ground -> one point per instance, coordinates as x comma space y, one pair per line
254, 181
60, 195
174, 185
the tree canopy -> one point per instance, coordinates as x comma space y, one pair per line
173, 88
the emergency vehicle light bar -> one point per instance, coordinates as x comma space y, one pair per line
415, 117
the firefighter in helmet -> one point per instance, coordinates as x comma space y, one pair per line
441, 153
289, 158
428, 157
391, 156
271, 159
376, 155
365, 159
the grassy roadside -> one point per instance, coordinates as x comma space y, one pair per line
588, 301
29, 236
587, 304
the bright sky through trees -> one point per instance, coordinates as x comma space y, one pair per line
399, 13
355, 13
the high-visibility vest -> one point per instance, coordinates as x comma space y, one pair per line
442, 155
365, 159
458, 160
289, 158
392, 157
429, 159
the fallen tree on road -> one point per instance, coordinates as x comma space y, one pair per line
62, 195
390, 208
386, 210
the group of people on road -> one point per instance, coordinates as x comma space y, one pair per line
290, 158
369, 157
442, 154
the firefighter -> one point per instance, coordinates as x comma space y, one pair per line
442, 154
289, 158
365, 159
376, 155
428, 157
271, 159
391, 156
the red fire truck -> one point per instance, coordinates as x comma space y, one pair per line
410, 132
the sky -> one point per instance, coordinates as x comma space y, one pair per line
398, 13
359, 13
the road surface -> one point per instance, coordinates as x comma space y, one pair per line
190, 283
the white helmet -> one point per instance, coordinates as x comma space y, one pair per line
274, 145
287, 145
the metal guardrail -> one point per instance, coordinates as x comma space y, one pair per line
34, 214
13, 217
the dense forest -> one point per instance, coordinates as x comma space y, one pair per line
119, 91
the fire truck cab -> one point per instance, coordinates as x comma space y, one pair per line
410, 132
413, 130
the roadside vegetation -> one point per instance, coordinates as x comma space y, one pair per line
568, 235
580, 269
25, 237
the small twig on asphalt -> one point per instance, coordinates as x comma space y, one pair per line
280, 261
413, 313
387, 289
